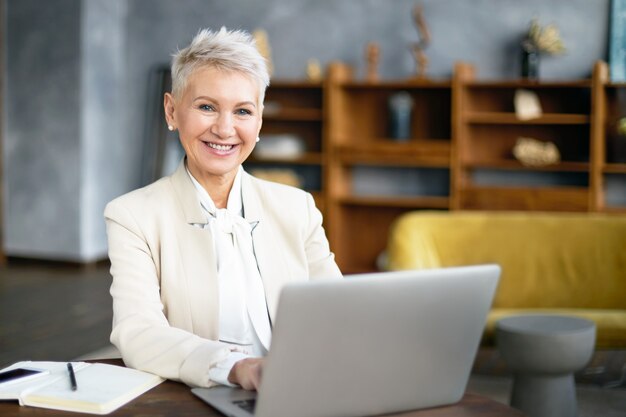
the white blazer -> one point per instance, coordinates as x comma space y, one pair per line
165, 294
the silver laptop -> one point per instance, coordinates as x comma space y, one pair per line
369, 344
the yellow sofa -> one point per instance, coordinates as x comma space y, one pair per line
572, 264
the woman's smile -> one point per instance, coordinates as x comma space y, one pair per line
220, 149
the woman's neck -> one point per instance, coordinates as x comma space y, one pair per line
218, 189
217, 186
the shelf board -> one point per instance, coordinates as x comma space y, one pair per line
521, 83
525, 198
307, 158
614, 168
529, 189
511, 119
407, 84
514, 165
396, 201
294, 114
294, 84
417, 152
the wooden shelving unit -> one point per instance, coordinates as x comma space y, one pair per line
295, 108
362, 156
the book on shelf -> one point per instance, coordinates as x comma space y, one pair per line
99, 388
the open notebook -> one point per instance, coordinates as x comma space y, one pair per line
101, 388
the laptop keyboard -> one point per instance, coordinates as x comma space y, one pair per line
247, 405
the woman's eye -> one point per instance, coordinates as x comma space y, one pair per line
243, 112
206, 107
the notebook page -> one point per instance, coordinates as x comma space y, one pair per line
101, 389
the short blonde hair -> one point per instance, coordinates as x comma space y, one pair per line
230, 50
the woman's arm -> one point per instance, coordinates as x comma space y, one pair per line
140, 328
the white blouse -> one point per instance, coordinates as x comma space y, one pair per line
243, 316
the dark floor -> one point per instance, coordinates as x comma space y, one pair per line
51, 311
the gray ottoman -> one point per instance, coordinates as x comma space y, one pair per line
544, 351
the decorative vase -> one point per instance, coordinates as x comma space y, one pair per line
530, 64
400, 110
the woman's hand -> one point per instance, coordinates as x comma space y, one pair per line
247, 373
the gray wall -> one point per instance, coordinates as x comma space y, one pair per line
41, 149
102, 133
77, 85
62, 126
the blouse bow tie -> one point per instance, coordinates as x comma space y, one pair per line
239, 260
226, 221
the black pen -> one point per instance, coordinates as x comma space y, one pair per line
70, 369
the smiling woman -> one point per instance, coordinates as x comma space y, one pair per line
198, 258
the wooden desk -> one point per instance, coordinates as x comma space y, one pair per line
173, 399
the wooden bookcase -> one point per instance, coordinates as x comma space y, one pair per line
488, 177
373, 178
295, 108
459, 154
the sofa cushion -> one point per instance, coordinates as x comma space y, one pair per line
548, 260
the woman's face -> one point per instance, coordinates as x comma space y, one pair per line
218, 117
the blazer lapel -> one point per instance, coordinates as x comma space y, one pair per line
271, 265
187, 196
197, 258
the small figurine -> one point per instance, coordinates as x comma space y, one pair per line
421, 60
535, 153
313, 70
372, 55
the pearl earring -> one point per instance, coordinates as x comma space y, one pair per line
170, 128
258, 138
